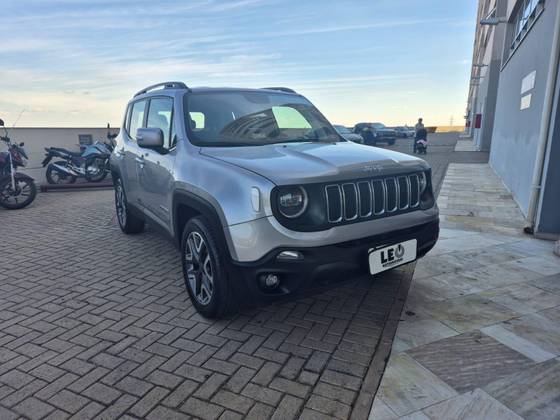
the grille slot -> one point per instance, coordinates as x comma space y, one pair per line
379, 193
392, 203
366, 199
334, 203
350, 199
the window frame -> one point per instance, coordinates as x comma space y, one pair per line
143, 125
515, 33
169, 146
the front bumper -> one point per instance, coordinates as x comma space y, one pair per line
251, 241
325, 265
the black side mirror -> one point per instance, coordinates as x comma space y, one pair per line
1, 122
21, 144
150, 138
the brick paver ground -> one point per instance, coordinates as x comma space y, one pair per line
96, 324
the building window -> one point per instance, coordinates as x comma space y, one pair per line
523, 20
85, 139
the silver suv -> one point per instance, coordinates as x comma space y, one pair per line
261, 194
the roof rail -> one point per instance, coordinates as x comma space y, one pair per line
164, 85
281, 89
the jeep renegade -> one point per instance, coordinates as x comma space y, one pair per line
262, 195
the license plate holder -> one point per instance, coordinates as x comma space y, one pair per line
391, 256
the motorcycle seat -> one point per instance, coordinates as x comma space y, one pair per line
70, 152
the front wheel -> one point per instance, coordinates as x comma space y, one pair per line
204, 269
19, 197
128, 222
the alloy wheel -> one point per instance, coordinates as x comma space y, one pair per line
120, 203
200, 273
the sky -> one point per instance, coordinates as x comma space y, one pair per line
76, 63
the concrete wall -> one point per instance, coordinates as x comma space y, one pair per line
516, 132
36, 139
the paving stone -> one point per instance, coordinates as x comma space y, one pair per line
469, 360
150, 400
88, 412
259, 411
477, 403
262, 394
134, 386
288, 408
68, 401
102, 393
232, 401
531, 393
33, 408
202, 409
164, 413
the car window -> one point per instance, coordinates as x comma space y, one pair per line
197, 120
136, 118
288, 117
160, 116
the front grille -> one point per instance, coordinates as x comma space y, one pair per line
372, 198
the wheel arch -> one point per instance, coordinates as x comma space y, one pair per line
187, 205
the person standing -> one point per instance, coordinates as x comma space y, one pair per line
419, 126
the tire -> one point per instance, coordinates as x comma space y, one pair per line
391, 142
27, 190
205, 270
56, 178
102, 171
128, 222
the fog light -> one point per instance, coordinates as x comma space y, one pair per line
290, 255
270, 281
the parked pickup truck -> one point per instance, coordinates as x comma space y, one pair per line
262, 196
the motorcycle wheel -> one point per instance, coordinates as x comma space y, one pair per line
23, 195
95, 170
55, 177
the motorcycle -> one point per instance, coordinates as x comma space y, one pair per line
92, 163
16, 189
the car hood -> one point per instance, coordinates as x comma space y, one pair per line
295, 163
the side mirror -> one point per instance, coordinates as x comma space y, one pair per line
149, 138
1, 122
21, 144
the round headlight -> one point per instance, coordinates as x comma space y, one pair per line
292, 201
423, 182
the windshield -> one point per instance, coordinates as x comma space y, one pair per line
378, 125
250, 118
342, 130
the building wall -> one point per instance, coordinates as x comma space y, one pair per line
36, 139
516, 132
548, 221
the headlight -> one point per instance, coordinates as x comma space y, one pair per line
423, 182
292, 201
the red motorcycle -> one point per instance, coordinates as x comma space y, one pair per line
17, 190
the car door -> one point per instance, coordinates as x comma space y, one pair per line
156, 176
130, 152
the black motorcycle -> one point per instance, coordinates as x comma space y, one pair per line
16, 189
92, 163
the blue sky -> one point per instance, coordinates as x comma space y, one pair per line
77, 62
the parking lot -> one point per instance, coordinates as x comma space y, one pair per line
94, 323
